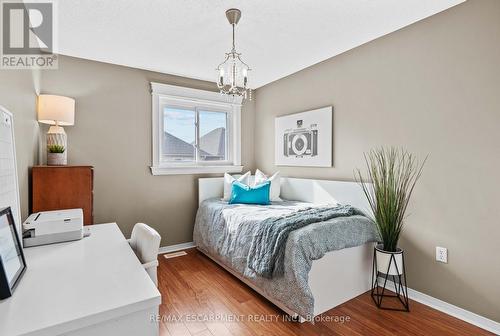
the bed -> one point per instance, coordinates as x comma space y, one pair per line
325, 263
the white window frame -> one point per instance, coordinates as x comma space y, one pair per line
176, 96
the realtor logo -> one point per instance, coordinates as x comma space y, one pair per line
28, 35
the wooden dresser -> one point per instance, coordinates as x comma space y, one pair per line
63, 187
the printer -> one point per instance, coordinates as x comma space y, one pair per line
49, 227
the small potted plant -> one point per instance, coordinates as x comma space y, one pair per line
56, 155
392, 175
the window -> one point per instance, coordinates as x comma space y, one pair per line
194, 135
194, 131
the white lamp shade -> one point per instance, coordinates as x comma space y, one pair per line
53, 109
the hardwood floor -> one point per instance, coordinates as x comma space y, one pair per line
200, 298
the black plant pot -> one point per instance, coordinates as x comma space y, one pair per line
389, 268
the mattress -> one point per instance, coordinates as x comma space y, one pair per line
226, 232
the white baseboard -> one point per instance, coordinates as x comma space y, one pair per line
448, 308
175, 248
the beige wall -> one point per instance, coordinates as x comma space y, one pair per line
18, 95
112, 132
433, 87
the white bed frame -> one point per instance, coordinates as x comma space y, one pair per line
337, 277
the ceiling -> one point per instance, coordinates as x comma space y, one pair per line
189, 37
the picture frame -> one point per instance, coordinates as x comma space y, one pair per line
305, 138
12, 261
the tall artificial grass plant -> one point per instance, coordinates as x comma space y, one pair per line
393, 173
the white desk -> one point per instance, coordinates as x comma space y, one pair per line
94, 286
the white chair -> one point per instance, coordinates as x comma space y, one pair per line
145, 242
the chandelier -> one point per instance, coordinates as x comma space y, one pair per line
233, 72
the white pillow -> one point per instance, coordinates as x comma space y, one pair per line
274, 193
228, 182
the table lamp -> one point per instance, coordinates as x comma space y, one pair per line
56, 111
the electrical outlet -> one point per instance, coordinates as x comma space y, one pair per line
442, 254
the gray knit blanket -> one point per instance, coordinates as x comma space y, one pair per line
267, 252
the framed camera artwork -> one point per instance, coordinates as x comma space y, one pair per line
305, 139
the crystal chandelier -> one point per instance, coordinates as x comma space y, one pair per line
233, 72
